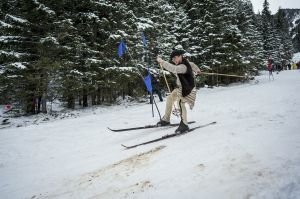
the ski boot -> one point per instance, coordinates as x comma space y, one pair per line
183, 128
163, 123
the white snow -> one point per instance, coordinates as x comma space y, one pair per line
44, 8
2, 23
297, 17
19, 65
15, 18
91, 15
77, 72
12, 53
252, 152
143, 26
115, 36
144, 23
6, 39
49, 39
102, 3
296, 57
92, 60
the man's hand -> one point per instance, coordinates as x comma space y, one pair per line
159, 60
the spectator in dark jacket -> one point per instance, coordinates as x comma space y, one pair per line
155, 87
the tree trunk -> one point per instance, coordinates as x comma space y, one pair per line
44, 103
39, 104
94, 96
30, 105
99, 101
130, 89
71, 102
85, 98
80, 101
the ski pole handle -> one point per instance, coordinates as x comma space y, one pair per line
169, 90
165, 78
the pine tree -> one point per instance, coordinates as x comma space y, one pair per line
27, 24
181, 28
267, 30
215, 39
285, 50
232, 45
253, 55
67, 50
162, 37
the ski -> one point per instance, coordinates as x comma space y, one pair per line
168, 136
146, 127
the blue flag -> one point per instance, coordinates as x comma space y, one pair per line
148, 83
122, 48
144, 40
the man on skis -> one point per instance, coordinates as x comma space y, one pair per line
185, 91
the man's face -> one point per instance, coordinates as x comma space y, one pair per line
177, 59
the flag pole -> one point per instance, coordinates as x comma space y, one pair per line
144, 40
148, 62
139, 73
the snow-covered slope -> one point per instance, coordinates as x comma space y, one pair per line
252, 152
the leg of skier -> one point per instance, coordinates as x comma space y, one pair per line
169, 105
183, 127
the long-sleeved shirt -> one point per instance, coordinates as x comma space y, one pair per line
179, 69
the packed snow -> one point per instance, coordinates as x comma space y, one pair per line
252, 152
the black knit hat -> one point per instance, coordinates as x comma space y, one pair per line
176, 53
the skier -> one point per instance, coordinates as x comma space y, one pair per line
185, 91
270, 67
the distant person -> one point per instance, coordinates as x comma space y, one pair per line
289, 66
278, 68
155, 87
270, 67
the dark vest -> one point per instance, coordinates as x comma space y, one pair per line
187, 79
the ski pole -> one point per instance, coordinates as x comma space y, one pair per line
165, 78
168, 87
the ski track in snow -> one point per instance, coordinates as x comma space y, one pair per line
252, 152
